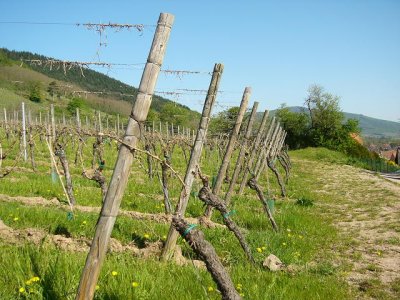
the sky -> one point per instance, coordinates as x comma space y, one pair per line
278, 48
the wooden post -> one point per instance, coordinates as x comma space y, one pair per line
229, 149
254, 151
78, 119
240, 158
118, 125
124, 161
100, 125
24, 132
266, 153
53, 122
194, 159
267, 139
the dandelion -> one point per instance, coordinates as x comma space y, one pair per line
239, 287
135, 284
259, 250
84, 222
114, 273
28, 282
35, 279
146, 236
21, 290
97, 287
16, 219
210, 289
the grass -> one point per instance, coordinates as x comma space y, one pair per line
307, 241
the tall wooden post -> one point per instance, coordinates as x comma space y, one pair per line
240, 158
229, 149
267, 152
124, 161
24, 132
194, 159
78, 119
254, 151
267, 138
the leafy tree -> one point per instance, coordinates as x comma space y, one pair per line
296, 125
35, 92
224, 121
325, 116
76, 103
53, 89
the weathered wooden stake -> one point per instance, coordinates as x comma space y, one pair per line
239, 161
254, 152
229, 149
24, 132
169, 247
124, 161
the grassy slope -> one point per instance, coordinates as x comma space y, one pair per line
304, 242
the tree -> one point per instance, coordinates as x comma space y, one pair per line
296, 125
35, 91
53, 89
76, 103
224, 121
325, 116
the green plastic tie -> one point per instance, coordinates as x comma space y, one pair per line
189, 229
229, 213
70, 216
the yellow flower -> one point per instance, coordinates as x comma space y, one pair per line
34, 279
135, 284
263, 247
210, 289
283, 244
28, 282
97, 287
146, 236
379, 253
114, 273
21, 290
241, 295
84, 222
164, 237
259, 250
239, 287
16, 219
289, 235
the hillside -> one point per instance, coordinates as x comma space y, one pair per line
118, 96
371, 127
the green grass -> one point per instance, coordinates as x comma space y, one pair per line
304, 240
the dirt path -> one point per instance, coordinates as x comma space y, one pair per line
366, 208
159, 218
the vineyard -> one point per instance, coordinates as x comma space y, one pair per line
107, 209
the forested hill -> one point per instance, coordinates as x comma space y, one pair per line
92, 81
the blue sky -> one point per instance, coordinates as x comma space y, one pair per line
279, 48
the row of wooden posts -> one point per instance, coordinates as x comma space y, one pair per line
255, 154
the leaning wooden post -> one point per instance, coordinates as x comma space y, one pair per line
124, 161
229, 149
194, 159
240, 158
78, 119
24, 132
268, 151
253, 154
